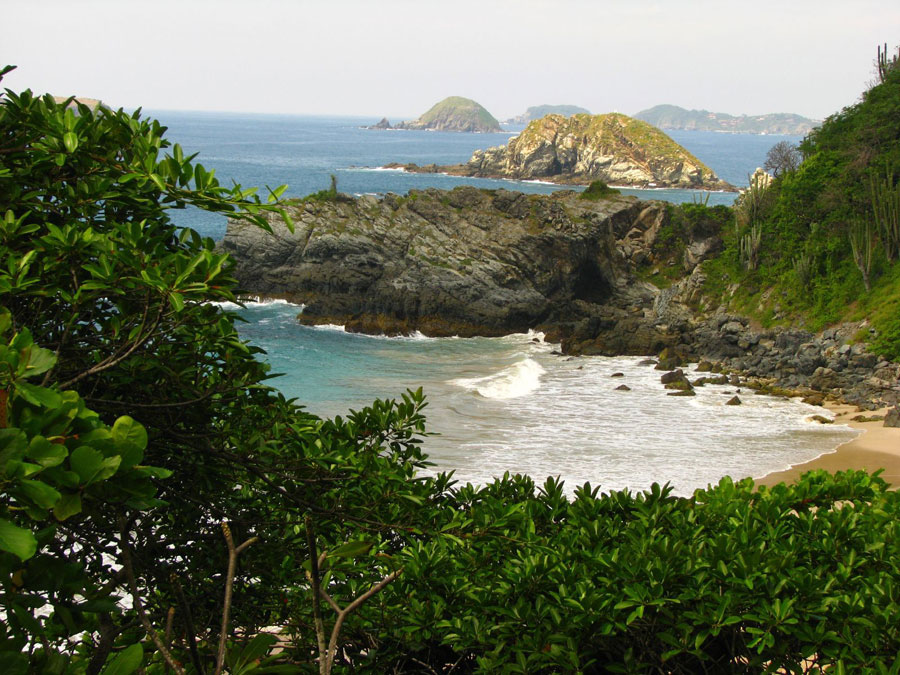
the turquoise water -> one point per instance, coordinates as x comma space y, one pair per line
495, 404
513, 404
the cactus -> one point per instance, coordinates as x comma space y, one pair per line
862, 243
749, 207
886, 210
803, 267
750, 244
886, 64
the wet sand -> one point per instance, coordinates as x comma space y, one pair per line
878, 447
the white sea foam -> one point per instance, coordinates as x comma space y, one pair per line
520, 379
396, 169
256, 301
330, 326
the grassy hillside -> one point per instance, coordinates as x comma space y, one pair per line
799, 251
459, 108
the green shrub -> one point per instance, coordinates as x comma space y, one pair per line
598, 190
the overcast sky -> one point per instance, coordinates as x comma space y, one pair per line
398, 57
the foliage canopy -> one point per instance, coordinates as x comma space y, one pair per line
134, 422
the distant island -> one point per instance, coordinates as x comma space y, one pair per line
677, 118
92, 103
536, 112
454, 113
578, 150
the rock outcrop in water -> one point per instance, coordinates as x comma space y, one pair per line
613, 148
479, 262
459, 262
455, 113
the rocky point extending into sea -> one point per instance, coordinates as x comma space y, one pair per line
490, 262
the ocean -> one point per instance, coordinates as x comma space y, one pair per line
495, 404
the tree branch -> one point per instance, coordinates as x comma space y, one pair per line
139, 606
233, 553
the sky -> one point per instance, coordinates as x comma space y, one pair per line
396, 58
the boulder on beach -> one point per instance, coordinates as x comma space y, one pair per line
892, 419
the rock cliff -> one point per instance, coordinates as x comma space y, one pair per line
613, 148
460, 262
455, 114
480, 262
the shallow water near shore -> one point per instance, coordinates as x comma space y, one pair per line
511, 404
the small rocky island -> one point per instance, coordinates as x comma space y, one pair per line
677, 118
614, 148
455, 113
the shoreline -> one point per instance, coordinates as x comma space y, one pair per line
877, 447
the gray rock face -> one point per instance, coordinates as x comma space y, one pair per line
462, 262
477, 262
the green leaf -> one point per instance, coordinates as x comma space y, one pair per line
177, 301
40, 396
70, 140
13, 663
126, 662
158, 181
256, 648
40, 493
86, 462
68, 506
130, 436
17, 540
352, 549
39, 361
45, 453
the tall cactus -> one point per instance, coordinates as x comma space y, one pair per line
886, 209
750, 243
750, 205
862, 242
886, 64
803, 268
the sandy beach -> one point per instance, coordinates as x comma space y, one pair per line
878, 447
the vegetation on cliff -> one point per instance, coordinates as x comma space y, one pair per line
819, 244
160, 504
455, 113
675, 117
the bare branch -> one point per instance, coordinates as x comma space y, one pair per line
139, 606
233, 553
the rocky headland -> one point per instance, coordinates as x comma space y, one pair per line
614, 148
455, 113
478, 262
677, 118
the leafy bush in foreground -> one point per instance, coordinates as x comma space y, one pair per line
134, 423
